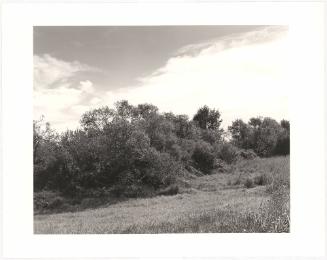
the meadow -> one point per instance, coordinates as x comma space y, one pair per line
247, 196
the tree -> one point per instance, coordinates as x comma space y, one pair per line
242, 134
208, 118
45, 153
201, 117
145, 110
267, 137
203, 157
285, 124
160, 131
124, 109
97, 119
255, 122
183, 127
214, 120
37, 139
137, 150
283, 143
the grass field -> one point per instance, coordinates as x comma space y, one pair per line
252, 196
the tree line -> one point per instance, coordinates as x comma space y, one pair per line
136, 151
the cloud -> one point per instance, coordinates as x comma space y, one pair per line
95, 101
57, 96
50, 72
235, 40
61, 106
242, 75
87, 86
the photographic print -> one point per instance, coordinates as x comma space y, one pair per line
161, 129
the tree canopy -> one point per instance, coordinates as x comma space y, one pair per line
135, 150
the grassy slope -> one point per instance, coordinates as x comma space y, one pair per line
211, 203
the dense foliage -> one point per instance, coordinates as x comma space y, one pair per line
265, 136
137, 151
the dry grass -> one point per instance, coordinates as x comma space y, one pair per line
207, 204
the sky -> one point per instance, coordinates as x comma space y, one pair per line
239, 70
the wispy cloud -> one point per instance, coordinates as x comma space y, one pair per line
236, 40
50, 72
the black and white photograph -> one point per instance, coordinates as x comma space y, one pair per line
161, 129
170, 130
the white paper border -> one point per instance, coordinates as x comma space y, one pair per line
305, 21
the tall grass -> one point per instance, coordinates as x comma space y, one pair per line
207, 205
219, 221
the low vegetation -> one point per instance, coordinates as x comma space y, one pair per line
203, 204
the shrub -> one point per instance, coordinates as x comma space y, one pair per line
264, 135
220, 165
248, 183
247, 154
210, 136
157, 169
283, 144
267, 137
176, 152
136, 151
43, 199
262, 179
187, 148
237, 180
136, 191
203, 157
91, 202
56, 203
228, 153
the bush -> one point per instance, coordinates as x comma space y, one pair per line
136, 151
237, 181
176, 152
247, 154
203, 157
262, 179
283, 144
56, 203
265, 136
220, 165
162, 170
210, 136
43, 199
187, 148
228, 153
248, 183
91, 202
137, 191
